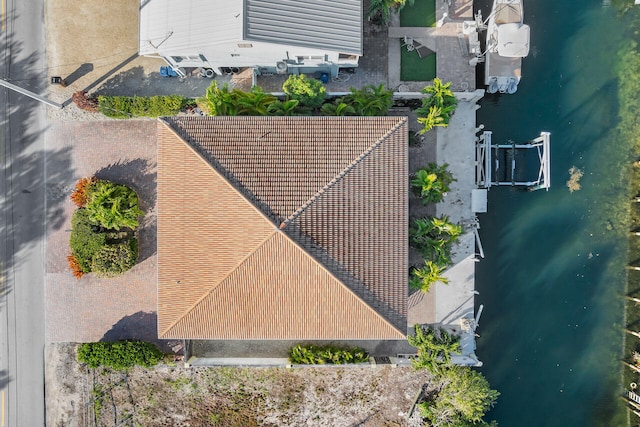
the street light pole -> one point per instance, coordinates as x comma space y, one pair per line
29, 94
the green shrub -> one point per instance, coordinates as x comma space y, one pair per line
435, 346
119, 355
84, 241
113, 206
431, 183
438, 108
434, 237
370, 100
112, 260
308, 92
123, 107
422, 278
318, 355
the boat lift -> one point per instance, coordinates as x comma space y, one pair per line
488, 164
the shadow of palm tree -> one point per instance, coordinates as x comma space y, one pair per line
24, 203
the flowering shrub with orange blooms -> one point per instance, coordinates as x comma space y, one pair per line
75, 267
80, 194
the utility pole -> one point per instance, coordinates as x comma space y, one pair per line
30, 94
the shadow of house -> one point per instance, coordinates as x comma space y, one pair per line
140, 326
139, 174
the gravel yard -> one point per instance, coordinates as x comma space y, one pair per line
171, 395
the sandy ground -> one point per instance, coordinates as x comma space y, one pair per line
171, 395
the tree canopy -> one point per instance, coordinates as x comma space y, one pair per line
463, 399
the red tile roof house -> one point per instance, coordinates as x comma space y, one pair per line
281, 230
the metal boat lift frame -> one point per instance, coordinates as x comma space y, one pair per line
487, 170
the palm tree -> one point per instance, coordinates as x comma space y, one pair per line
422, 278
338, 108
113, 206
283, 108
255, 102
370, 100
221, 101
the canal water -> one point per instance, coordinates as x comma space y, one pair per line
553, 276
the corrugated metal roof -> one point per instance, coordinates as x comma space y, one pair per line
323, 24
183, 27
336, 268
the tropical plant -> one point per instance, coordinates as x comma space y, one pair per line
115, 259
422, 278
283, 108
220, 101
438, 108
80, 194
113, 206
370, 100
434, 237
119, 355
431, 183
435, 347
85, 242
308, 92
463, 398
314, 355
254, 103
433, 119
380, 10
338, 108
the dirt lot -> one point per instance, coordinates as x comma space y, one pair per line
171, 395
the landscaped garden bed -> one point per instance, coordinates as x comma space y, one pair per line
103, 228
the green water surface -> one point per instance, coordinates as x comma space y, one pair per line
553, 277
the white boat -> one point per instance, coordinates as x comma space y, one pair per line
507, 44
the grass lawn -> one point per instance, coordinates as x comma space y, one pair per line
421, 14
416, 69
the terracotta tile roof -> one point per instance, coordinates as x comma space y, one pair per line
282, 227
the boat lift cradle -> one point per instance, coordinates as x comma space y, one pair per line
488, 164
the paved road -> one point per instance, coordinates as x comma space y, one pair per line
22, 214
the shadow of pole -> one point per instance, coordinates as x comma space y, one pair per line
102, 78
80, 72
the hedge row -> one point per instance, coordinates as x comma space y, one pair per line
124, 107
319, 355
119, 355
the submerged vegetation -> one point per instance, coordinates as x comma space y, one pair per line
574, 179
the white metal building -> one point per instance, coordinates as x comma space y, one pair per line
273, 36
